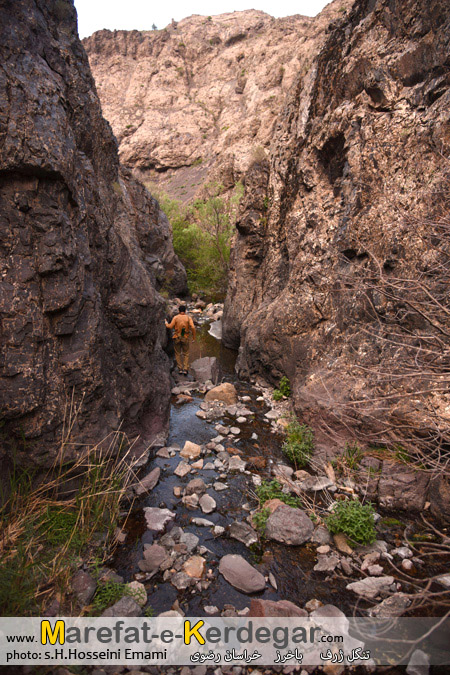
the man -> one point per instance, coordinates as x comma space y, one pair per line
183, 329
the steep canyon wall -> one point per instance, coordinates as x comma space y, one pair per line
84, 249
340, 268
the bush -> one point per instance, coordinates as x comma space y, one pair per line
299, 444
354, 519
284, 389
273, 490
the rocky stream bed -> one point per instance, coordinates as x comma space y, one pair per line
190, 546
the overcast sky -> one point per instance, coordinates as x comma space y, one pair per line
141, 14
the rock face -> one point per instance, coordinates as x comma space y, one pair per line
339, 213
202, 95
84, 247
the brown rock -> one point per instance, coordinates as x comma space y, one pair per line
289, 526
341, 544
240, 574
149, 481
195, 567
191, 450
225, 392
241, 64
282, 608
257, 463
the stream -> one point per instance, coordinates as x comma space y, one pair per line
289, 570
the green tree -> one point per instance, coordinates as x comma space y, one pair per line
202, 233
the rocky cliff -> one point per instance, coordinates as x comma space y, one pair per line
340, 266
84, 248
200, 98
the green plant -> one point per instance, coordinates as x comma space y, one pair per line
391, 522
352, 455
354, 519
197, 161
44, 534
277, 395
273, 490
260, 519
285, 386
149, 611
299, 444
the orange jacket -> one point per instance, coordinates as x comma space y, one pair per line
179, 322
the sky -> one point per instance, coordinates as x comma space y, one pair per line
142, 14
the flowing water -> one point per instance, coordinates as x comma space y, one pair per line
291, 566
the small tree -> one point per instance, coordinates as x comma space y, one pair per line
154, 26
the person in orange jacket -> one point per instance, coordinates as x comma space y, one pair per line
184, 330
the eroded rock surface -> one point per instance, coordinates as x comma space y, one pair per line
201, 96
341, 210
84, 247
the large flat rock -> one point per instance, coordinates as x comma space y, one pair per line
240, 574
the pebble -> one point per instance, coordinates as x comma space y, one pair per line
210, 610
235, 431
207, 504
254, 437
198, 464
209, 466
202, 522
182, 470
163, 452
375, 570
219, 487
323, 549
407, 565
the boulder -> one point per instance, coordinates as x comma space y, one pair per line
240, 574
281, 608
402, 487
289, 526
225, 392
148, 482
204, 369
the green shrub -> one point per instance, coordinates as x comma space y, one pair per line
352, 455
285, 386
273, 490
299, 444
277, 395
109, 592
260, 519
354, 519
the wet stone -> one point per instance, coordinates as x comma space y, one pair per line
182, 470
243, 532
195, 486
240, 574
207, 504
157, 519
